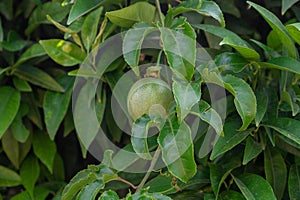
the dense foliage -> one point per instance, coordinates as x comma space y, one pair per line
232, 131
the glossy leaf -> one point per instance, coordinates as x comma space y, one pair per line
8, 177
90, 28
139, 136
29, 172
138, 12
108, 195
278, 27
37, 77
294, 31
252, 150
56, 104
231, 138
9, 105
186, 96
231, 195
262, 104
63, 52
254, 187
275, 170
217, 177
44, 149
36, 50
231, 61
180, 50
286, 126
90, 191
177, 149
231, 39
294, 182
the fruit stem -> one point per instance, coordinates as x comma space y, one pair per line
152, 164
160, 15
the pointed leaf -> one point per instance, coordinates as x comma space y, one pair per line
282, 63
9, 105
63, 52
275, 170
177, 149
278, 27
254, 187
8, 177
294, 31
21, 85
90, 191
37, 77
262, 104
56, 104
11, 148
252, 150
44, 149
35, 50
294, 182
231, 61
217, 176
287, 4
20, 132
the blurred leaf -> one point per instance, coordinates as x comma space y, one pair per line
186, 96
44, 149
262, 104
231, 61
286, 126
1, 31
177, 149
6, 8
231, 39
287, 4
29, 172
294, 31
63, 52
278, 27
180, 50
269, 52
294, 182
33, 111
8, 177
282, 63
254, 187
21, 85
137, 12
56, 104
229, 7
40, 193
231, 195
14, 42
9, 105
37, 77
217, 177
275, 170
38, 16
144, 194
286, 97
252, 150
231, 138
90, 28
109, 195
33, 51
139, 136
90, 191
11, 148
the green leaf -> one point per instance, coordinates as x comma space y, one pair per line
21, 85
254, 187
217, 177
231, 195
262, 104
14, 42
252, 150
37, 77
231, 138
90, 27
275, 170
294, 31
63, 52
231, 39
40, 193
56, 104
186, 96
294, 182
139, 136
278, 27
269, 52
36, 50
9, 178
20, 132
9, 105
38, 16
180, 50
44, 149
109, 195
137, 12
230, 61
11, 148
144, 194
286, 97
90, 191
286, 126
287, 4
282, 63
33, 111
132, 45
29, 172
176, 143
81, 7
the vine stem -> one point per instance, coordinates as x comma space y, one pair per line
152, 164
127, 182
160, 15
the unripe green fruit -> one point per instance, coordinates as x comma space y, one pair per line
149, 96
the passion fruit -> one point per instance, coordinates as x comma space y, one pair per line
149, 96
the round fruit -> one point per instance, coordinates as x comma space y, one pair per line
149, 96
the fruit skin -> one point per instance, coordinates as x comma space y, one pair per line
149, 95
